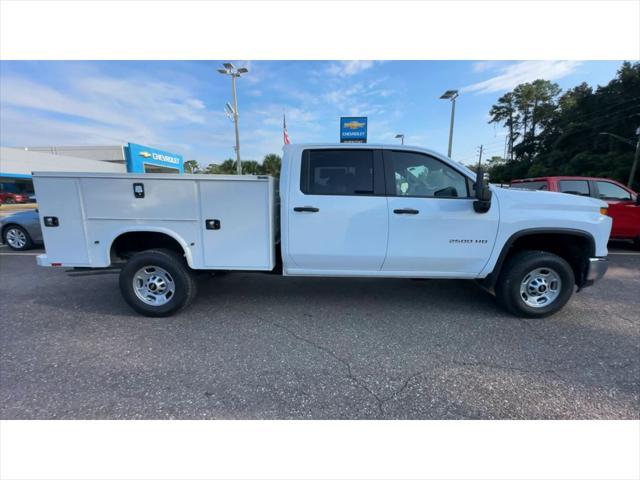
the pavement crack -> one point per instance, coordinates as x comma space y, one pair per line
402, 388
332, 354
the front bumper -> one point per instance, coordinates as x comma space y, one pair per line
596, 269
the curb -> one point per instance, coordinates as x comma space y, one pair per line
18, 206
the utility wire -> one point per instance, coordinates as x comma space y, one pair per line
569, 131
611, 114
604, 109
580, 116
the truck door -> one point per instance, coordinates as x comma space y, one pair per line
337, 217
433, 228
623, 209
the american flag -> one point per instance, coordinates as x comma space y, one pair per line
284, 130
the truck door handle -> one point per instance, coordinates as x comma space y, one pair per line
306, 209
406, 211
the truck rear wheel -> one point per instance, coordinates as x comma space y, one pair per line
535, 284
157, 283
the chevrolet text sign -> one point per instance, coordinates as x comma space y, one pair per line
160, 157
353, 129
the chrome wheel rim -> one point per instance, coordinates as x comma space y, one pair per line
540, 287
154, 285
16, 238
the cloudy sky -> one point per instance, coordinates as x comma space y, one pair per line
179, 105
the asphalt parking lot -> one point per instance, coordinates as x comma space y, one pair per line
256, 346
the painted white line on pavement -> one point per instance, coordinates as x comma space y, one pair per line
19, 253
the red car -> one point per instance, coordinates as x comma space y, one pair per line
624, 203
8, 197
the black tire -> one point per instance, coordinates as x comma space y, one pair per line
185, 286
6, 231
515, 270
636, 242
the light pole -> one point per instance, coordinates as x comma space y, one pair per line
401, 137
635, 160
234, 73
451, 95
634, 165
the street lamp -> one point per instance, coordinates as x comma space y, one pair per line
234, 73
401, 137
451, 95
634, 165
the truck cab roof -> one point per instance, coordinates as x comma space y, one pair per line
559, 177
381, 146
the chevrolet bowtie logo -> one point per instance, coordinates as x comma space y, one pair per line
353, 124
145, 154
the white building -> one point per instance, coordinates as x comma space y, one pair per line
16, 164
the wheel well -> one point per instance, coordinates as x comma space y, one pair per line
127, 244
4, 227
575, 248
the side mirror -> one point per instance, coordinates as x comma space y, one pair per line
483, 193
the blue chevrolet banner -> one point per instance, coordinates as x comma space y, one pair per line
353, 129
141, 159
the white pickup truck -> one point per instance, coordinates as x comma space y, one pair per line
341, 210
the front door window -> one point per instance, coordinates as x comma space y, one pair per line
418, 175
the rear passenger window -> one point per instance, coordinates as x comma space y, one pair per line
337, 172
575, 187
531, 185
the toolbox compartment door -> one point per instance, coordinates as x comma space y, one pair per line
60, 198
240, 232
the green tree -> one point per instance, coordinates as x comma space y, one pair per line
537, 103
562, 135
524, 97
228, 167
271, 165
505, 112
545, 94
192, 166
251, 167
573, 97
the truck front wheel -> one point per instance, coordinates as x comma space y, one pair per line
535, 284
157, 283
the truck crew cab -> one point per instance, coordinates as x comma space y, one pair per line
353, 210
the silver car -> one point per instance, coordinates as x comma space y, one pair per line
21, 230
